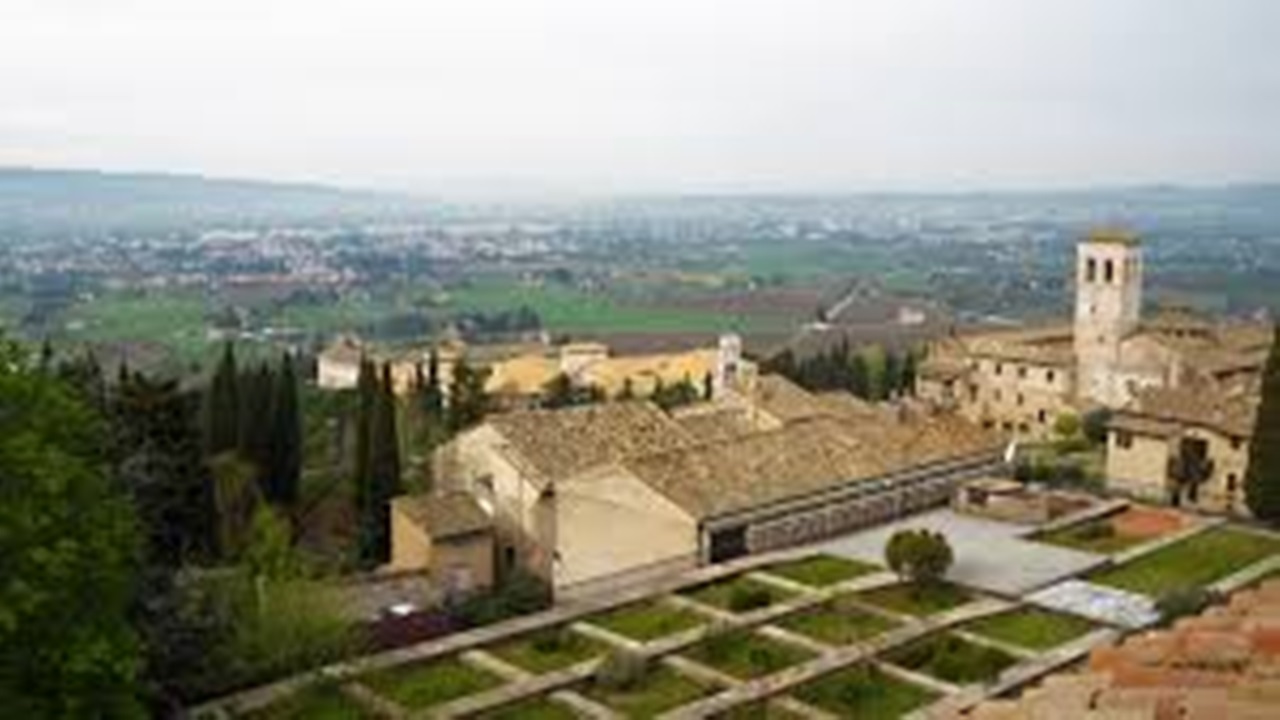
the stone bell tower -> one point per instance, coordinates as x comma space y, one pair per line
1108, 309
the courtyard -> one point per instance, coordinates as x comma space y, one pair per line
825, 629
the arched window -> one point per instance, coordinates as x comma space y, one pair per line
1090, 270
1108, 271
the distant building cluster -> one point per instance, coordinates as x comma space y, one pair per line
1182, 390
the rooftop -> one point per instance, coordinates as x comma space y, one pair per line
445, 515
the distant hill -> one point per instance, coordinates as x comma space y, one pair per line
57, 201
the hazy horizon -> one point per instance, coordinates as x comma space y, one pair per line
665, 97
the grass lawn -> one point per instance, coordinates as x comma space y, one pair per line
428, 684
836, 623
1096, 536
1198, 560
822, 570
739, 594
538, 708
661, 690
746, 655
648, 620
322, 702
952, 659
865, 693
548, 650
906, 600
1031, 628
759, 711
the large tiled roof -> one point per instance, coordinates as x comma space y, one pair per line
716, 424
801, 458
523, 375
1227, 408
784, 400
560, 443
1222, 665
444, 515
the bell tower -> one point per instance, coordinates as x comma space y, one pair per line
1108, 309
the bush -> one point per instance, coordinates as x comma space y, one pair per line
551, 641
1094, 425
520, 594
1101, 530
720, 642
746, 598
920, 556
1184, 601
621, 670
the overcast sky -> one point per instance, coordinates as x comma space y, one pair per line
649, 95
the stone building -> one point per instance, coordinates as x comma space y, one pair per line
1021, 380
1183, 388
446, 535
609, 494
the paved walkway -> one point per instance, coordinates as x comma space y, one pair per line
989, 554
1109, 605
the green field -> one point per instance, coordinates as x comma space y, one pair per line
424, 685
321, 702
568, 310
746, 655
1199, 560
865, 693
660, 690
906, 599
548, 650
822, 570
1031, 628
648, 621
837, 623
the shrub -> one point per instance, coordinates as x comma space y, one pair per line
720, 642
1094, 425
746, 598
621, 670
1096, 531
1184, 601
520, 594
920, 556
551, 641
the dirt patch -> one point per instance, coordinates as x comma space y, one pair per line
1146, 523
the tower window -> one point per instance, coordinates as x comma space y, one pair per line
1124, 439
1022, 372
1108, 271
1042, 417
1090, 270
1049, 377
999, 368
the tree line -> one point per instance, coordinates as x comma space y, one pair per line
872, 374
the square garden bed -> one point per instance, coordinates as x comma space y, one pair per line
738, 594
535, 708
837, 622
1031, 628
657, 690
907, 599
424, 685
1199, 560
322, 702
821, 570
646, 621
548, 650
952, 659
1095, 536
864, 692
746, 655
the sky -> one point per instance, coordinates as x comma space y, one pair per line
631, 96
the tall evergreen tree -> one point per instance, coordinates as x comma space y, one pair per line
433, 391
384, 474
907, 381
286, 436
254, 442
468, 401
1262, 479
222, 406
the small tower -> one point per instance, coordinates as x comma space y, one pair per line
1108, 309
728, 364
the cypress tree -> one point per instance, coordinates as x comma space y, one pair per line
367, 389
222, 405
859, 381
254, 443
384, 473
433, 393
286, 436
1262, 479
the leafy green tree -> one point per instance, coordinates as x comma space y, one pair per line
1262, 478
222, 405
673, 396
919, 556
68, 547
